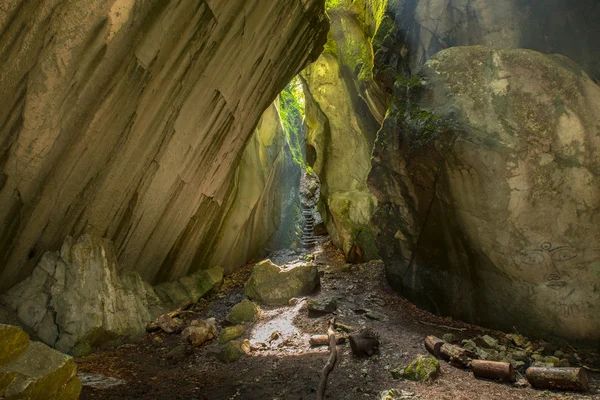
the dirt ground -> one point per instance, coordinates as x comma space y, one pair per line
282, 366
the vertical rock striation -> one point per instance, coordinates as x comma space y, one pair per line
131, 116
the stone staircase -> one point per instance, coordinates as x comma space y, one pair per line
309, 240
32, 370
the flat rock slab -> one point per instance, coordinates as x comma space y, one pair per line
274, 285
98, 381
40, 373
13, 342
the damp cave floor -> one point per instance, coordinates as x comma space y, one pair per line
157, 366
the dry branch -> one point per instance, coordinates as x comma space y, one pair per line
330, 362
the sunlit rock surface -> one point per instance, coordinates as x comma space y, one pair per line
344, 108
487, 176
131, 116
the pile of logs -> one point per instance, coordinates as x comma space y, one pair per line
539, 378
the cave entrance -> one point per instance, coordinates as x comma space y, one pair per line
309, 224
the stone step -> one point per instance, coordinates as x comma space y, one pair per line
40, 373
13, 342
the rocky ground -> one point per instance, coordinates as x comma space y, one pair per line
280, 364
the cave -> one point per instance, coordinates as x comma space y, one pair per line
299, 199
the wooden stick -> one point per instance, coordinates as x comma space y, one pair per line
330, 362
499, 371
322, 340
433, 345
558, 378
443, 326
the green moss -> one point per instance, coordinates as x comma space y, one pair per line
423, 369
292, 110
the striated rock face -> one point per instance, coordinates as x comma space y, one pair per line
344, 107
131, 116
487, 176
266, 203
550, 26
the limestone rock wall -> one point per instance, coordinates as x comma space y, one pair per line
131, 116
550, 26
266, 204
344, 107
487, 175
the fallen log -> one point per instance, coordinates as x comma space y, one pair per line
364, 343
498, 371
322, 340
330, 362
457, 356
433, 345
558, 378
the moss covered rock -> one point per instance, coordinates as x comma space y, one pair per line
423, 369
40, 373
244, 311
233, 350
275, 285
13, 342
231, 332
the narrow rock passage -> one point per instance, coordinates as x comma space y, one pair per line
282, 365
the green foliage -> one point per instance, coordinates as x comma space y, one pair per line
329, 4
291, 105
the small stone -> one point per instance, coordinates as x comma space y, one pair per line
244, 311
552, 360
559, 354
519, 355
232, 351
168, 324
293, 301
157, 340
324, 305
423, 369
469, 345
397, 373
485, 341
517, 339
542, 364
564, 363
199, 334
176, 351
450, 338
231, 332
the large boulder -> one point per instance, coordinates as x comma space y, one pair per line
550, 26
487, 179
275, 285
40, 373
75, 298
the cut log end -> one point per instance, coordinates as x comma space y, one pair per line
434, 345
558, 378
364, 344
